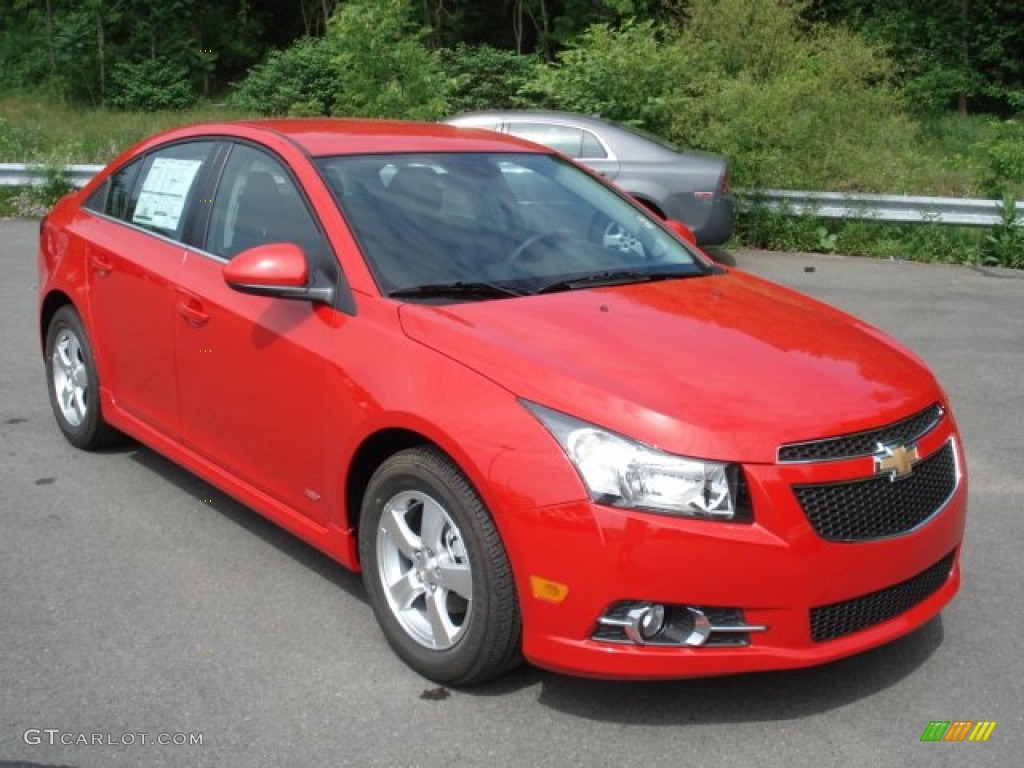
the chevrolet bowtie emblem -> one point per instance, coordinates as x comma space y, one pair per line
895, 460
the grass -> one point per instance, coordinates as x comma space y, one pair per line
1001, 245
952, 158
35, 130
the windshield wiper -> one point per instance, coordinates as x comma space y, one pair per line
459, 289
616, 277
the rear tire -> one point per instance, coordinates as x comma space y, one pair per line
436, 572
73, 385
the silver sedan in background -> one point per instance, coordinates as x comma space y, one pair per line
687, 185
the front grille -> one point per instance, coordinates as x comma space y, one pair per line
880, 506
831, 621
863, 443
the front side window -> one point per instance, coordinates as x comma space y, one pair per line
257, 203
520, 221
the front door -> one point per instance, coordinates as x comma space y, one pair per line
250, 369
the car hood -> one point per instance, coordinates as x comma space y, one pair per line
720, 367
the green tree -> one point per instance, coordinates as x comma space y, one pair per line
372, 63
951, 52
382, 66
483, 77
790, 103
627, 73
299, 80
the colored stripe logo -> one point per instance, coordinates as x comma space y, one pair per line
958, 730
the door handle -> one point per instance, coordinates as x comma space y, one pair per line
100, 266
192, 310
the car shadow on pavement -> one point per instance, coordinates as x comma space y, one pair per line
756, 697
251, 520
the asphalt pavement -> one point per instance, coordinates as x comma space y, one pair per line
135, 599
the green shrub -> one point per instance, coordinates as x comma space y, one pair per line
299, 80
928, 241
1003, 154
789, 104
1004, 243
150, 85
481, 77
371, 64
383, 69
629, 74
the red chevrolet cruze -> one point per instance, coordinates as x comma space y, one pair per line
538, 420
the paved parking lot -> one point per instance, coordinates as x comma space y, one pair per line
136, 599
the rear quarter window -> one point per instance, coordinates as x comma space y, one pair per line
113, 197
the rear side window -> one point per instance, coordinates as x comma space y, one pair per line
563, 138
160, 196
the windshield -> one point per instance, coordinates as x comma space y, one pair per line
504, 224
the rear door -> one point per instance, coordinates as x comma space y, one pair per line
134, 257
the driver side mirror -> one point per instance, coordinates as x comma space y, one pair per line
682, 230
277, 270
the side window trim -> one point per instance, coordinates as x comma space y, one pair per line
198, 222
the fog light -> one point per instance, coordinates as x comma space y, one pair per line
642, 622
645, 622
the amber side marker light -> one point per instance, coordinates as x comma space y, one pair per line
547, 590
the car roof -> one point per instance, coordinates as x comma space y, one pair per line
625, 140
622, 138
542, 116
338, 136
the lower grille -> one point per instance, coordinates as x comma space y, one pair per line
831, 621
879, 506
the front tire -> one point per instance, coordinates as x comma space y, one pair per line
436, 572
73, 385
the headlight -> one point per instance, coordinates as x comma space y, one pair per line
626, 473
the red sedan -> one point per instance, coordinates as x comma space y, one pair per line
539, 421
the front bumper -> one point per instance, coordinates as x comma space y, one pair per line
776, 571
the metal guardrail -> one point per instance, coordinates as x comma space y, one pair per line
964, 212
29, 175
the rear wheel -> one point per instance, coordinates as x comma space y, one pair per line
436, 572
73, 385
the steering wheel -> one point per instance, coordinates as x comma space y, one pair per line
519, 256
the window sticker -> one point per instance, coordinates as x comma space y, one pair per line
164, 192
